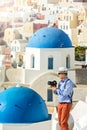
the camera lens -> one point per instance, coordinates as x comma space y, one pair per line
49, 82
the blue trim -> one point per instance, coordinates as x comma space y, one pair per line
68, 62
50, 63
49, 95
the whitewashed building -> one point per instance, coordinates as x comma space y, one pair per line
18, 48
48, 49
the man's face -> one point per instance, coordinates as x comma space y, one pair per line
62, 75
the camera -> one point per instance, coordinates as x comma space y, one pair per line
52, 83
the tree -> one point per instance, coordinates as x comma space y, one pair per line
80, 53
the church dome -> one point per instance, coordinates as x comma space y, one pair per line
22, 105
49, 37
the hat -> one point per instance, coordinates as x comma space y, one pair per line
62, 70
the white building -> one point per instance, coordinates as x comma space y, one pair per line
18, 45
47, 50
18, 48
72, 32
82, 35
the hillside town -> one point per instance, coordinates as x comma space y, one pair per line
36, 38
20, 19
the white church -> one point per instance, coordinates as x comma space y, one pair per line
47, 50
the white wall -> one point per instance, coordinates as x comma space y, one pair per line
41, 61
15, 75
55, 53
66, 52
41, 58
72, 75
36, 53
45, 125
79, 114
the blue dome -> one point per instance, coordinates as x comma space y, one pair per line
49, 37
22, 105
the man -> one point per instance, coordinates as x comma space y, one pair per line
64, 92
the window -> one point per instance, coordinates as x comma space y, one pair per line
68, 62
50, 63
49, 95
70, 18
63, 26
14, 48
64, 17
66, 27
67, 18
32, 61
17, 48
79, 31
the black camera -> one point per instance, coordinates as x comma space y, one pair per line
52, 83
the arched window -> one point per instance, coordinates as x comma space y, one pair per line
49, 95
50, 63
68, 61
32, 61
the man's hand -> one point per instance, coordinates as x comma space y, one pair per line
53, 88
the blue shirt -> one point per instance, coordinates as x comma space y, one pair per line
64, 90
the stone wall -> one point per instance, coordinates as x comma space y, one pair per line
81, 76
